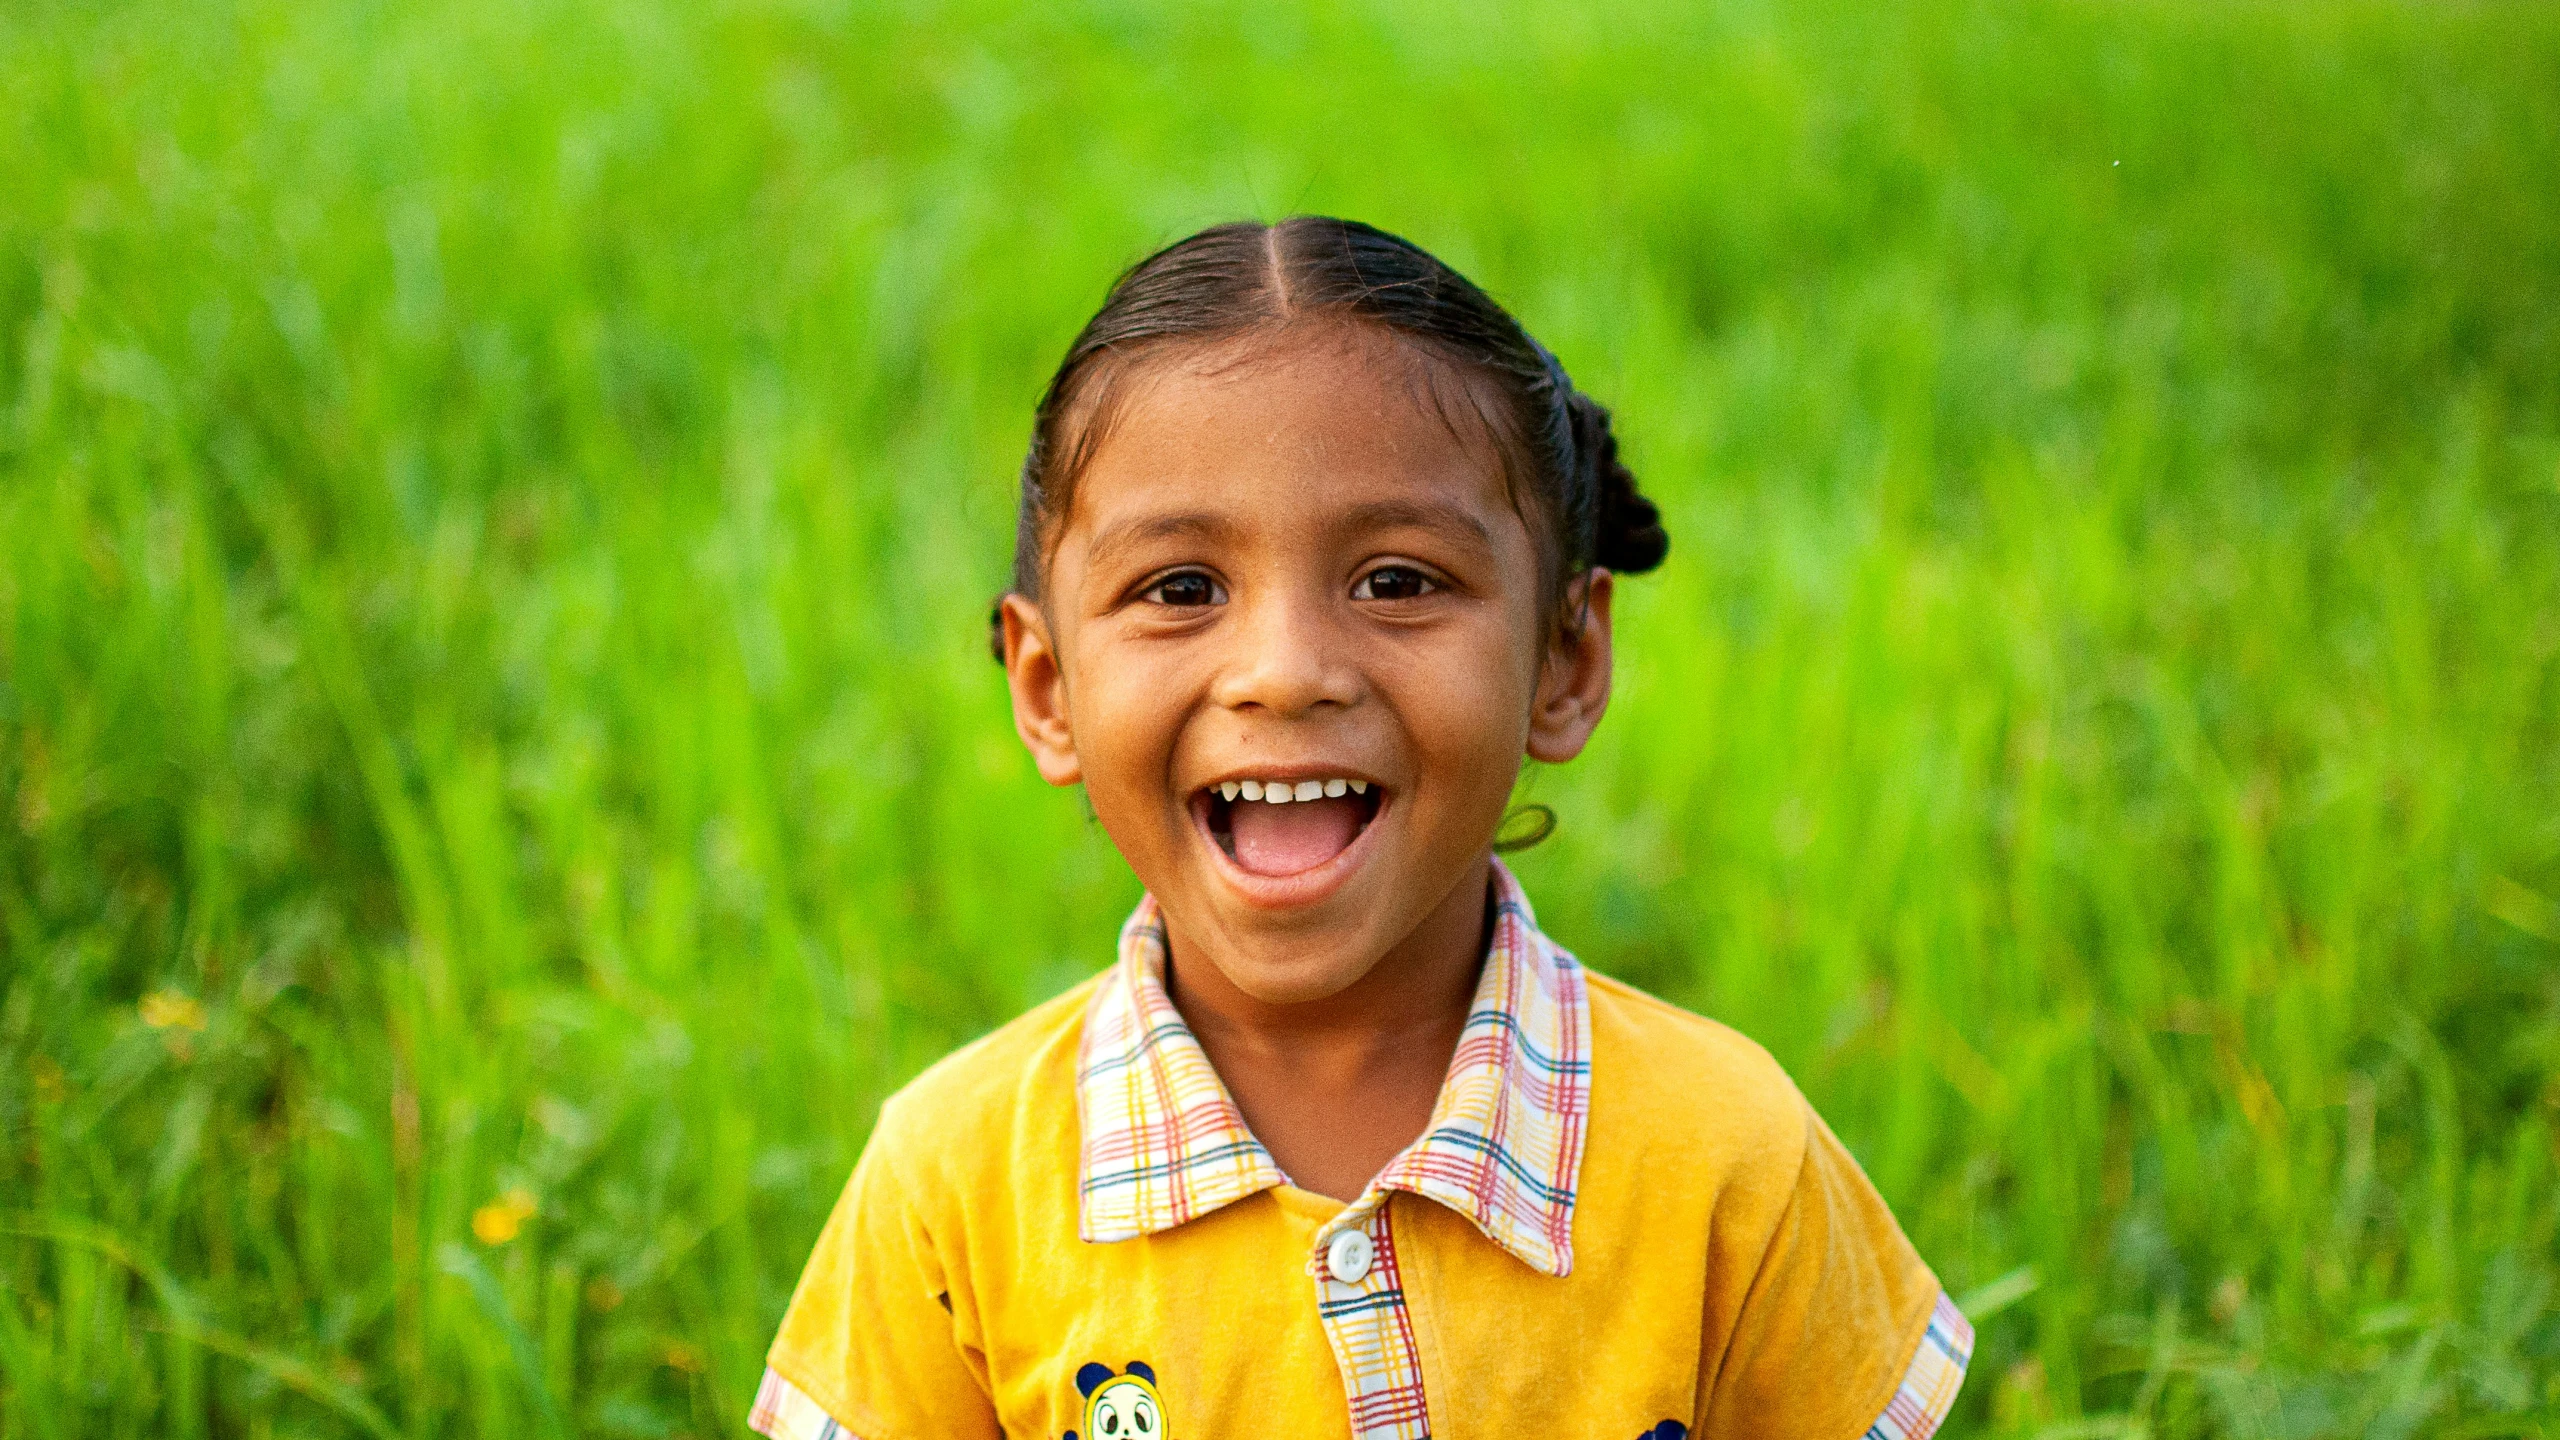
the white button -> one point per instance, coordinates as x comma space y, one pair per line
1349, 1255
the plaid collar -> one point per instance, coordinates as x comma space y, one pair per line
1164, 1143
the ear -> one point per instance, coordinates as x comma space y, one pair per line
1143, 1371
1093, 1374
1038, 680
1573, 683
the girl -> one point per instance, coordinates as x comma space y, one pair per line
1316, 547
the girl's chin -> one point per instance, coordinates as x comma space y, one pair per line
1295, 971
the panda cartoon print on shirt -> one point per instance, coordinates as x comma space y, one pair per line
1120, 1404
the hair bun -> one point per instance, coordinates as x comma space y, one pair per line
1628, 537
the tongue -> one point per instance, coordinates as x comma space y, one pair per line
1285, 839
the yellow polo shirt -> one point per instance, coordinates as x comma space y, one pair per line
1622, 1221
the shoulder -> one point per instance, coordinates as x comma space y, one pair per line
1001, 1101
1680, 1083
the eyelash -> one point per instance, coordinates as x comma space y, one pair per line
1366, 582
1153, 592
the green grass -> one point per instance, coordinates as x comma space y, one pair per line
498, 503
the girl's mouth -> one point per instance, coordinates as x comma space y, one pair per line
1278, 828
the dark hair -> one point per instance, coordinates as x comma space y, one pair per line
1234, 279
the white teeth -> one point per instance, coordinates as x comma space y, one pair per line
1282, 792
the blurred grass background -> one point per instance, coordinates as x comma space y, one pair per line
498, 503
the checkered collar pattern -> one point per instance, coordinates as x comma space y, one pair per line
1163, 1142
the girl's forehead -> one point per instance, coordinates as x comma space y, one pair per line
1290, 429
1363, 377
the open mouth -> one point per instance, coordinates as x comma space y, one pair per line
1275, 828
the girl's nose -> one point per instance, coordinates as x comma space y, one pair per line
1286, 657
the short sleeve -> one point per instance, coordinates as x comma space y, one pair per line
870, 1348
1843, 1332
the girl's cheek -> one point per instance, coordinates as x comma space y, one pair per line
1132, 721
1470, 710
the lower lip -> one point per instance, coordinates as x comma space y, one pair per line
1284, 892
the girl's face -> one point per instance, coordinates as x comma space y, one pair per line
1283, 567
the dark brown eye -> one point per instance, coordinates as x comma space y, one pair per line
1185, 589
1393, 582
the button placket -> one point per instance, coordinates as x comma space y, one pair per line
1360, 1301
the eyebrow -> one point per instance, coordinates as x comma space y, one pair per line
1434, 515
1140, 529
1437, 516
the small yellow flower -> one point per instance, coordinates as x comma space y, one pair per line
49, 1087
502, 1219
684, 1355
603, 1296
169, 1010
